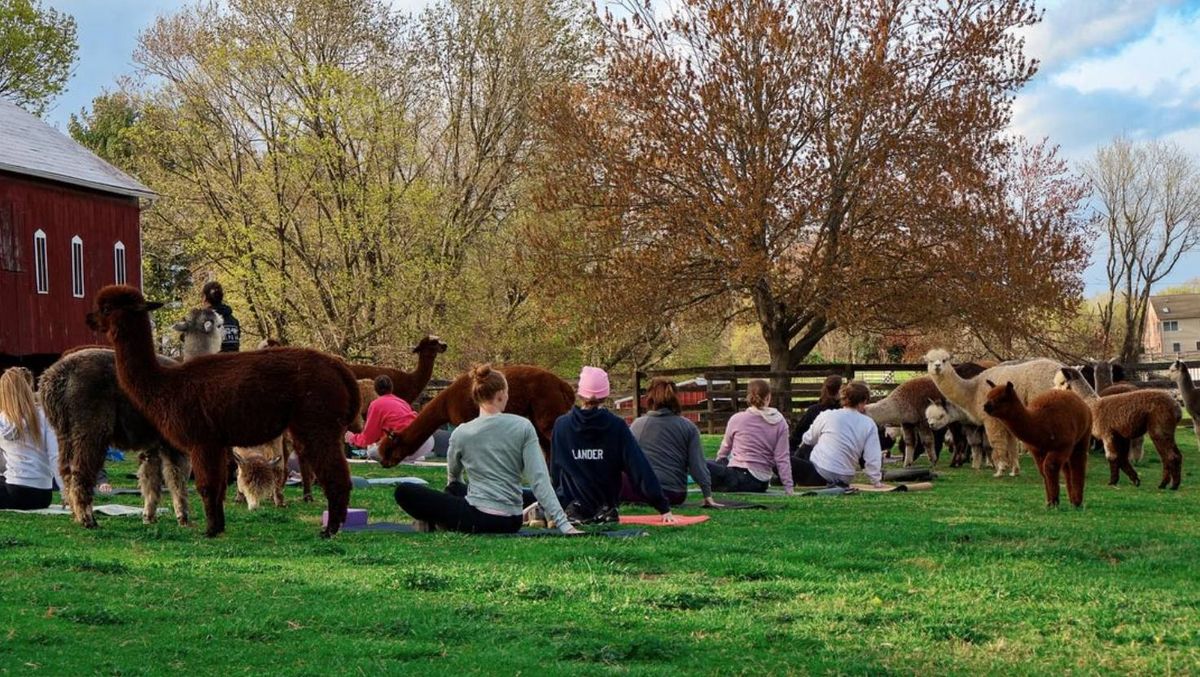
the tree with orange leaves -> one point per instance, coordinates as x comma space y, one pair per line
818, 164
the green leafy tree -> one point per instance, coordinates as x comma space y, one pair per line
37, 51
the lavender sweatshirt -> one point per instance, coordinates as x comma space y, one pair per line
757, 440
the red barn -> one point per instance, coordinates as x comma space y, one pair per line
69, 224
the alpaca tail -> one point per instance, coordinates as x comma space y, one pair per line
354, 422
52, 389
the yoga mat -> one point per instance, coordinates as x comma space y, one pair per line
392, 481
407, 528
769, 492
909, 475
912, 486
111, 509
656, 520
725, 505
826, 491
125, 491
428, 464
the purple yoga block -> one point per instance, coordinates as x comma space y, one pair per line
355, 517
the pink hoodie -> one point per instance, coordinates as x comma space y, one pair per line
758, 442
386, 413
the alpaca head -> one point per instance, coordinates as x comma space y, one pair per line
258, 471
1178, 368
938, 413
937, 361
118, 303
431, 346
268, 343
1001, 400
200, 331
390, 452
1071, 379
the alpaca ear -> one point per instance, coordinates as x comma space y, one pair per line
237, 456
276, 461
990, 384
1009, 387
91, 322
180, 325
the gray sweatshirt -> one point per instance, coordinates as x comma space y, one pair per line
672, 445
496, 450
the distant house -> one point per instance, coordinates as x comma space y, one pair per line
69, 224
1172, 326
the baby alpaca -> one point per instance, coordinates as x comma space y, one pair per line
262, 472
1057, 429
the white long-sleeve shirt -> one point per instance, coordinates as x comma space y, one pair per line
839, 438
26, 464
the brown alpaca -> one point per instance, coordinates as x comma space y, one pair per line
533, 392
407, 386
1056, 427
212, 403
1118, 419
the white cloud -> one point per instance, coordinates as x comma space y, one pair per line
1164, 65
1076, 28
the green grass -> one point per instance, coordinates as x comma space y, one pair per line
973, 577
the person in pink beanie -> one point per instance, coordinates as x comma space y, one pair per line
590, 449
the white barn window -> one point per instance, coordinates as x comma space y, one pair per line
77, 267
119, 262
41, 273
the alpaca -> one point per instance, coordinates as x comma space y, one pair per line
1057, 429
941, 413
89, 413
407, 386
903, 407
533, 392
200, 332
262, 472
1187, 392
1119, 418
215, 402
1029, 377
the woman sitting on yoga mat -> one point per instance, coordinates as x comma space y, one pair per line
28, 447
495, 449
671, 444
839, 440
755, 447
591, 448
830, 398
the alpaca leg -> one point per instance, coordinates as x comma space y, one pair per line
1111, 454
1077, 472
1121, 453
333, 472
1172, 460
1050, 471
150, 481
211, 482
1137, 449
176, 470
86, 457
933, 447
910, 443
1014, 457
998, 437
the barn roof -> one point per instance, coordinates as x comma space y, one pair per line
30, 147
1176, 306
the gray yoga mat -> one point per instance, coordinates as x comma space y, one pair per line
112, 510
407, 528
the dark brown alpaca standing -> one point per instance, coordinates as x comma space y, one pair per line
533, 392
1057, 430
407, 386
212, 403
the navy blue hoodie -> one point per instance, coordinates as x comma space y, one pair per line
591, 448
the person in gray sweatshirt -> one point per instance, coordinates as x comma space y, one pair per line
496, 450
672, 445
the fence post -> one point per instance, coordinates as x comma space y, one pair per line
637, 392
733, 395
708, 397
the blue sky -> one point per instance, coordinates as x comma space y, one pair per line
1108, 67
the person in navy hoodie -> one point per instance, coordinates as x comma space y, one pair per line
591, 447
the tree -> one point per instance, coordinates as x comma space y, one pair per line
1149, 205
105, 129
37, 51
818, 165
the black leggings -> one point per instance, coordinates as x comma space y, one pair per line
17, 497
804, 473
725, 478
452, 512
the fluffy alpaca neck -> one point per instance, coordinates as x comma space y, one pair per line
138, 370
433, 415
1028, 428
957, 390
1103, 375
1187, 389
885, 411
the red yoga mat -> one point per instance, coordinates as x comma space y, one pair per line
656, 520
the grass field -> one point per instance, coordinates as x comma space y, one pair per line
973, 577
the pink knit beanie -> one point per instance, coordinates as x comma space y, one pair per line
593, 383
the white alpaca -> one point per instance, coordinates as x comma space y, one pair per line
1029, 378
941, 413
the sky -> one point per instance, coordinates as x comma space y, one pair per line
1107, 68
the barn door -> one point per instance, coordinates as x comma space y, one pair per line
10, 242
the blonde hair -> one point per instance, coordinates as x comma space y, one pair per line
758, 392
18, 405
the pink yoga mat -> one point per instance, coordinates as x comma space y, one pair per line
656, 520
